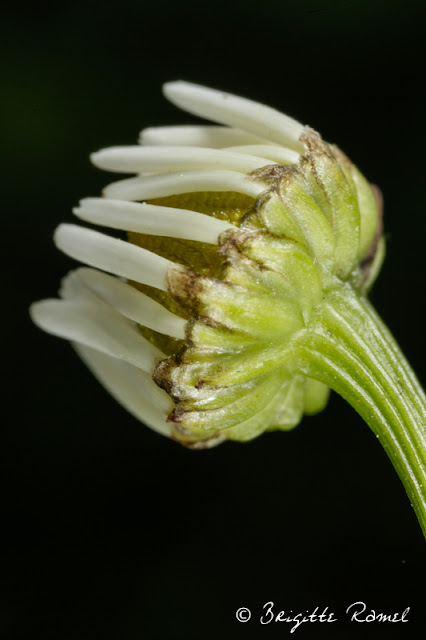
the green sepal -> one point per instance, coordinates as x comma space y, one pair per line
253, 401
336, 199
276, 219
292, 262
367, 203
234, 307
283, 412
316, 230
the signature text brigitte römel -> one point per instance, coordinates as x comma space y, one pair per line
355, 612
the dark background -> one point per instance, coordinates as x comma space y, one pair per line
111, 531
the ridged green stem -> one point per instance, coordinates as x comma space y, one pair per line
349, 348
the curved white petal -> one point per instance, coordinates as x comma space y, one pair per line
272, 152
132, 388
197, 136
151, 219
73, 288
113, 255
234, 111
90, 284
97, 326
137, 159
147, 187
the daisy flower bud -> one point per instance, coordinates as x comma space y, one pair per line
241, 291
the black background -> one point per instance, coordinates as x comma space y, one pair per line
111, 531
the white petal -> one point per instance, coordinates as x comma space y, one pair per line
139, 159
197, 136
147, 187
113, 255
269, 151
126, 300
73, 288
234, 111
132, 388
96, 326
152, 219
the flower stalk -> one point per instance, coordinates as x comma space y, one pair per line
349, 349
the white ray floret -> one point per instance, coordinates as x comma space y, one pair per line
131, 387
147, 187
85, 283
137, 159
232, 110
73, 288
113, 255
271, 152
96, 326
152, 219
197, 136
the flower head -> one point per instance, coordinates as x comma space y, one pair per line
236, 235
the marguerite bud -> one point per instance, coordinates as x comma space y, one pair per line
241, 291
245, 231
